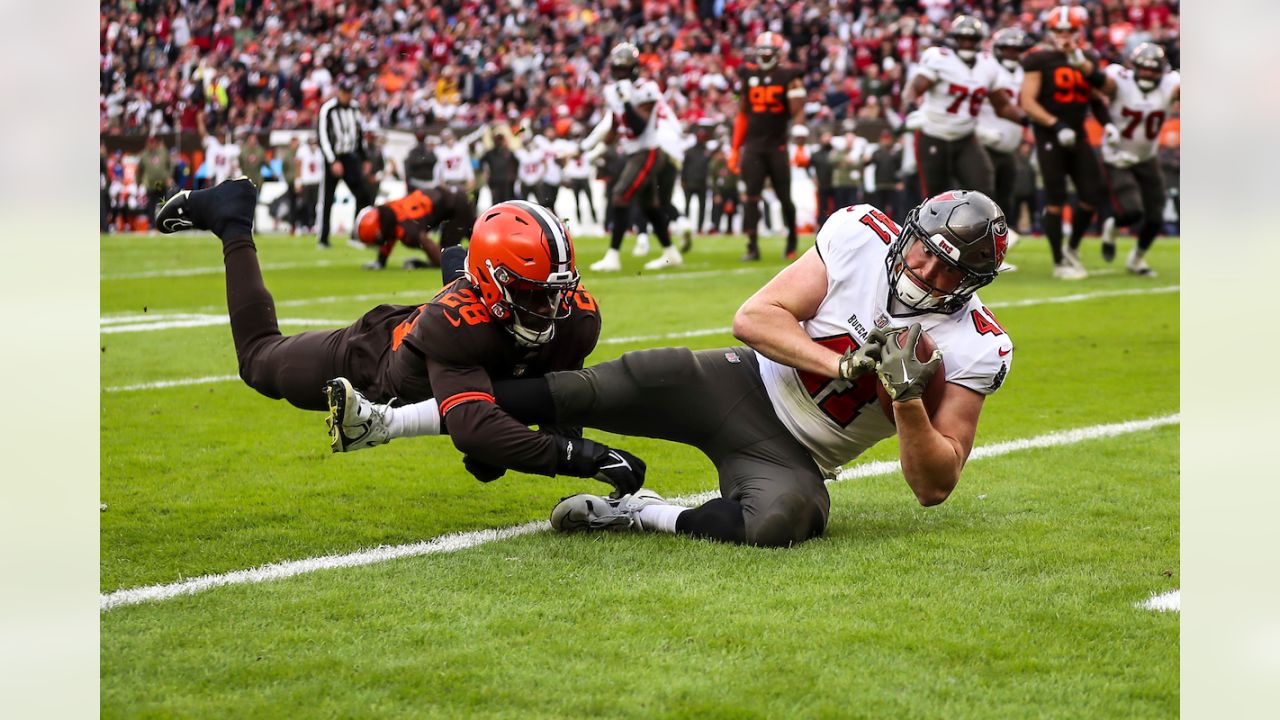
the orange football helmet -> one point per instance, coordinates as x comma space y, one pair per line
769, 49
368, 226
521, 260
1065, 17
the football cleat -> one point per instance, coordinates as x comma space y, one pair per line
356, 244
686, 243
669, 258
1066, 271
642, 245
1006, 267
1072, 256
211, 209
354, 422
609, 263
1109, 239
752, 255
373, 265
1137, 264
593, 512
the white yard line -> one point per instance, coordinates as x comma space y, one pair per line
1164, 602
463, 540
606, 341
210, 270
172, 383
187, 320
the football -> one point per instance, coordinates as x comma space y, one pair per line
933, 391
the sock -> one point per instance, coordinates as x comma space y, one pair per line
660, 518
751, 222
1051, 223
1080, 222
422, 418
1147, 233
658, 219
718, 519
789, 218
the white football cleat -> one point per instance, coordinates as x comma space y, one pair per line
1072, 256
1066, 271
593, 512
669, 258
354, 422
1109, 239
1006, 267
611, 262
1137, 264
642, 245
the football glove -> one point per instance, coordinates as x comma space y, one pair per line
1066, 136
915, 120
482, 471
581, 457
859, 362
1123, 159
903, 376
1110, 134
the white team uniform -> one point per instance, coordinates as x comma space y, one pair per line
224, 159
312, 160
838, 420
577, 168
958, 92
642, 93
531, 167
1005, 135
1138, 115
453, 164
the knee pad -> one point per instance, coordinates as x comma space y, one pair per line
791, 518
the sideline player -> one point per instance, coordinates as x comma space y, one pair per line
408, 219
771, 96
955, 82
636, 114
999, 136
518, 311
1056, 89
778, 417
1143, 96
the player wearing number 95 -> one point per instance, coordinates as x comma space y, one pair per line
516, 311
954, 81
1056, 90
779, 415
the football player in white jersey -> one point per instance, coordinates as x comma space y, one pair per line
453, 164
999, 136
954, 82
779, 415
635, 116
1143, 96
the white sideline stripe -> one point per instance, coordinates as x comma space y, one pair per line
645, 338
211, 270
464, 540
191, 321
1164, 602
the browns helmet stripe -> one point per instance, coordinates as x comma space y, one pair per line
561, 253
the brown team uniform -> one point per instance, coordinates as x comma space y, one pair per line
408, 219
1065, 94
764, 149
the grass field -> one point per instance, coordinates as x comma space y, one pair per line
1015, 598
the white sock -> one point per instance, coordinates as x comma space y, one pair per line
661, 518
421, 418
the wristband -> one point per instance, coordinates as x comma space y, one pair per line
796, 93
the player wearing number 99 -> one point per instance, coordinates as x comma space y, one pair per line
517, 311
1056, 90
954, 82
1141, 100
779, 415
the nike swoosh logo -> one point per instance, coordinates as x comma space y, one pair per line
906, 378
455, 323
1004, 351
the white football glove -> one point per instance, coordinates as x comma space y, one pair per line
1123, 159
1110, 135
1067, 137
914, 120
988, 136
624, 90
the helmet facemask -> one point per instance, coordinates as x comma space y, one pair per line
914, 291
1147, 77
534, 307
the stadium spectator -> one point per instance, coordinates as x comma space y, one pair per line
252, 157
693, 180
310, 178
157, 171
887, 158
822, 168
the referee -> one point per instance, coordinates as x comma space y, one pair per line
342, 144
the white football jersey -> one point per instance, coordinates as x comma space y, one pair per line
1008, 133
838, 420
642, 93
958, 92
531, 168
312, 161
453, 163
1138, 115
577, 167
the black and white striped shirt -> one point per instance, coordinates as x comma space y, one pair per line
339, 130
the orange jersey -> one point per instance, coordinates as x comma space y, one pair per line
414, 206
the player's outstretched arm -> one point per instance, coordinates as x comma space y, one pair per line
769, 321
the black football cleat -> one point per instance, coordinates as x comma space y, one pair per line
752, 255
214, 209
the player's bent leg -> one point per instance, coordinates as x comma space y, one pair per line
719, 519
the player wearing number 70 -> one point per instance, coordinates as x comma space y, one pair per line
780, 414
954, 81
516, 310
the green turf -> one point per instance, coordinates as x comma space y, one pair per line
1014, 598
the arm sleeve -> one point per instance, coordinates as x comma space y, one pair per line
601, 129
739, 130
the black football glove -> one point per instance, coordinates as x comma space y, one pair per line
483, 471
581, 457
904, 377
856, 363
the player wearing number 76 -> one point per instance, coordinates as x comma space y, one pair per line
823, 339
515, 310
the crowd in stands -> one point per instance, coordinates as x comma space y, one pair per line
257, 65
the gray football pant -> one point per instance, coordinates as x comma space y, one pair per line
715, 401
